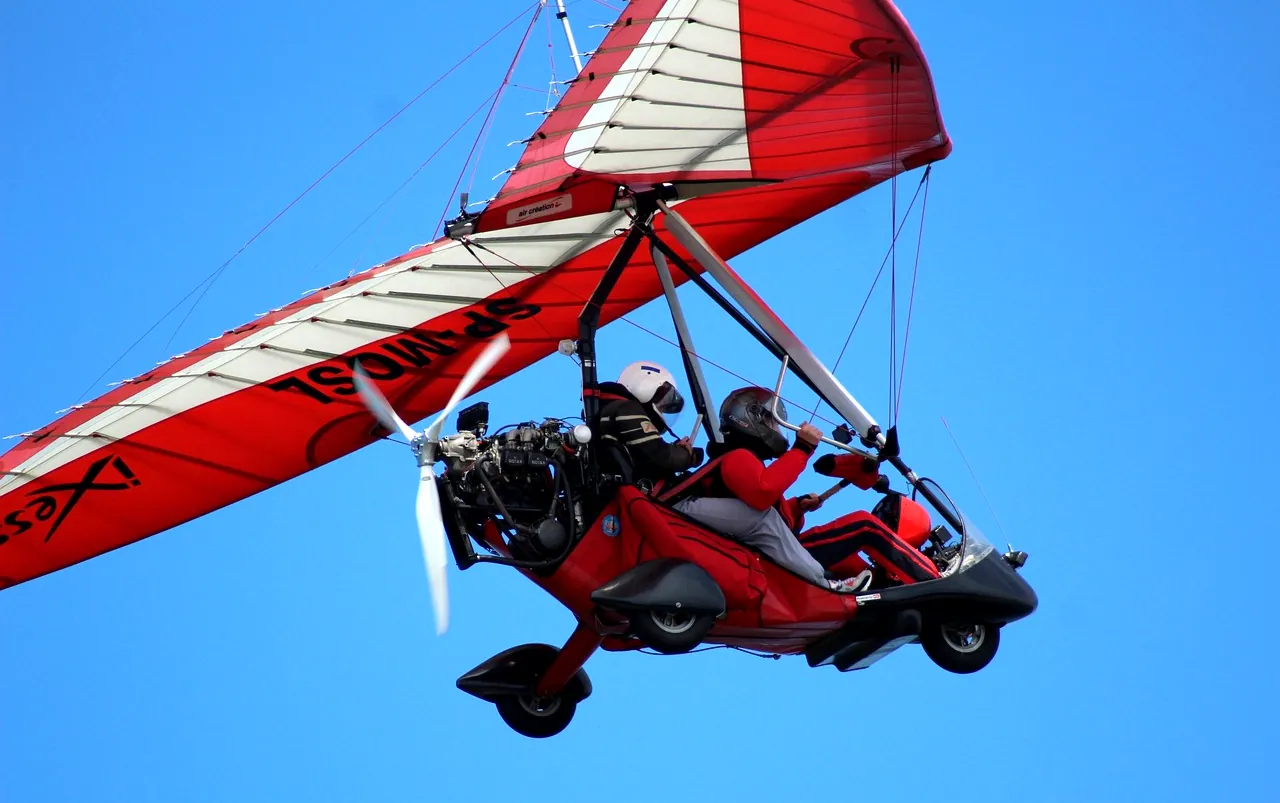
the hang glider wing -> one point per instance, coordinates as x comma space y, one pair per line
763, 112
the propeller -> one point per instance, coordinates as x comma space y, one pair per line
423, 444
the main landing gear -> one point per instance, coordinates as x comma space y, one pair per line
536, 687
666, 604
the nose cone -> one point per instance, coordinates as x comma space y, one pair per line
1021, 592
1022, 596
997, 591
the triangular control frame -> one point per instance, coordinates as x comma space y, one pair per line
755, 317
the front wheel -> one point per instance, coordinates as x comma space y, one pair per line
671, 632
962, 649
537, 718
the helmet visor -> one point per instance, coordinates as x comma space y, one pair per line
768, 409
668, 401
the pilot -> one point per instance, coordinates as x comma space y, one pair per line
635, 412
745, 500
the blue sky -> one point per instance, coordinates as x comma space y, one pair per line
1094, 319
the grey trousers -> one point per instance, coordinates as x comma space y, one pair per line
765, 530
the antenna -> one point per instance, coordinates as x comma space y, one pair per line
563, 16
973, 474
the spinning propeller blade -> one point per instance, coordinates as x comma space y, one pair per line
379, 406
431, 534
491, 354
430, 524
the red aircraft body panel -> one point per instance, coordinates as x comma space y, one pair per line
767, 607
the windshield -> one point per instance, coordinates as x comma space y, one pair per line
970, 544
976, 546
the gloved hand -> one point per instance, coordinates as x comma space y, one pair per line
809, 434
696, 451
809, 502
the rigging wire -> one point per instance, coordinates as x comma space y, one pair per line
487, 127
896, 370
218, 273
467, 244
506, 81
728, 371
906, 215
757, 653
483, 135
400, 188
495, 97
883, 263
526, 88
209, 280
906, 338
551, 61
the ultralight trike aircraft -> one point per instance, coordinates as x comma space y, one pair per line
637, 573
698, 129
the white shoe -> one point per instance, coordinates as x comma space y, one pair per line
852, 585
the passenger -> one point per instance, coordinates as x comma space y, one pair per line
744, 499
891, 536
635, 412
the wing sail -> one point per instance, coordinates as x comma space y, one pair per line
659, 101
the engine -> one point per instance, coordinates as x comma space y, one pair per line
524, 478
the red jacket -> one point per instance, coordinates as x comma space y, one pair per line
742, 475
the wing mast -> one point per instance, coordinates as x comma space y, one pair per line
563, 16
827, 385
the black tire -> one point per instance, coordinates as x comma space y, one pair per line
537, 719
962, 649
671, 632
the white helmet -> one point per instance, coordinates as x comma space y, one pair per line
652, 384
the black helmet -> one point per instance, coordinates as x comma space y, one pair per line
747, 422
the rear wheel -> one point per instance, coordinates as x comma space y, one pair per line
960, 648
671, 632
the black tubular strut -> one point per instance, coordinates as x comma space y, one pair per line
929, 495
699, 403
589, 320
687, 356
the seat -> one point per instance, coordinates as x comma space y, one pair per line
889, 510
615, 459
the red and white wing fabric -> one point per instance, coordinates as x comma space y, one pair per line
762, 112
709, 93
